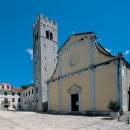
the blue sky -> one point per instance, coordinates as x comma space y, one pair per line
110, 20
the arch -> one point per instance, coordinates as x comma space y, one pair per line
74, 89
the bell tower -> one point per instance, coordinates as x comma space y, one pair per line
44, 58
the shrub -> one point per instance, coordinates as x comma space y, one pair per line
114, 106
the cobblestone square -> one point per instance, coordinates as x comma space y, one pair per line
37, 121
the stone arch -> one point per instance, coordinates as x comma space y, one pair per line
74, 89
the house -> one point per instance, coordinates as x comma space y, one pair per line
9, 97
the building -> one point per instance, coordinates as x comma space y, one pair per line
44, 58
9, 97
87, 77
27, 98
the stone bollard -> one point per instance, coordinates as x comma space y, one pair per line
128, 120
118, 118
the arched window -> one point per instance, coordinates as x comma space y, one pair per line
47, 34
51, 36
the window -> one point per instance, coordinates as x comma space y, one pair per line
13, 93
3, 86
45, 68
37, 35
13, 99
25, 102
7, 87
47, 34
29, 92
51, 36
6, 100
26, 94
14, 106
35, 38
37, 100
32, 91
36, 90
19, 100
18, 94
45, 58
5, 93
19, 106
44, 45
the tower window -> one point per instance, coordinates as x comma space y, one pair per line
45, 58
37, 35
35, 38
47, 34
45, 68
51, 36
36, 90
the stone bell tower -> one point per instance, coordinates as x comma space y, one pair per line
44, 58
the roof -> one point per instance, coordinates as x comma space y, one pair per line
26, 86
77, 34
16, 89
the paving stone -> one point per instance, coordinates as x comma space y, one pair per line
37, 121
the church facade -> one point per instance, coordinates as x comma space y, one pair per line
80, 77
87, 77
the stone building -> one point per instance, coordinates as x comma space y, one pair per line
27, 98
9, 97
44, 58
87, 77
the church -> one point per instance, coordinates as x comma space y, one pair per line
87, 77
81, 76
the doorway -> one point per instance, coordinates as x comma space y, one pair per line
74, 102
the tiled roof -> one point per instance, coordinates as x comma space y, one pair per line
16, 89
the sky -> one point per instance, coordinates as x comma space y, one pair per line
109, 19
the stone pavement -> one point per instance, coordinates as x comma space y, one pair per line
37, 121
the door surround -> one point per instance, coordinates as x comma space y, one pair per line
74, 89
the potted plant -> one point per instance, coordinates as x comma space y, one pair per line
114, 107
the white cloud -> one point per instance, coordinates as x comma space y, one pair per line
30, 52
127, 52
108, 50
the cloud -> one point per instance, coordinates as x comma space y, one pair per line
30, 52
127, 52
108, 50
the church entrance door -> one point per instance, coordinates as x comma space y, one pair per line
74, 102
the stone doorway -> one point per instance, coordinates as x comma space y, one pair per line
74, 102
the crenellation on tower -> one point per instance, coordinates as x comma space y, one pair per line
45, 21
